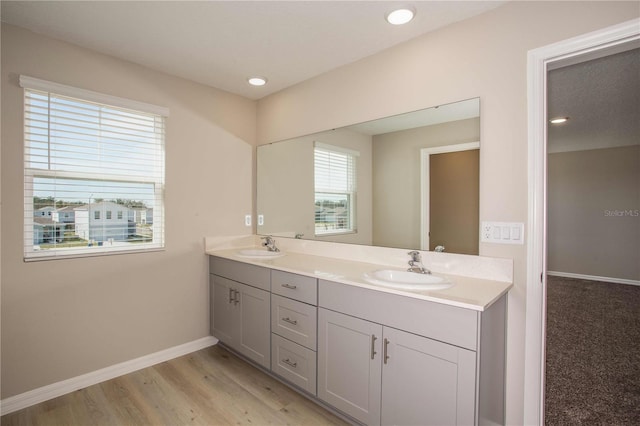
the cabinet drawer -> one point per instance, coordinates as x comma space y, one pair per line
293, 286
293, 362
252, 275
294, 320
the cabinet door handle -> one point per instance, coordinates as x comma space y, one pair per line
290, 363
230, 295
290, 321
289, 286
373, 346
385, 350
236, 299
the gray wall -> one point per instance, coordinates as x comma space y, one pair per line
64, 318
594, 212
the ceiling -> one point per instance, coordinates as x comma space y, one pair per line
222, 43
600, 96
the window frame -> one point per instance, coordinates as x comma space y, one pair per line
30, 174
350, 193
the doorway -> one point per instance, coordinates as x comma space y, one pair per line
450, 204
538, 62
592, 367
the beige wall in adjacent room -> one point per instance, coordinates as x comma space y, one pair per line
64, 318
397, 182
485, 56
594, 212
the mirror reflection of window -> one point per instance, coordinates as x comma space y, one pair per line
335, 189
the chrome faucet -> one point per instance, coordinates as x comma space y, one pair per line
270, 243
416, 263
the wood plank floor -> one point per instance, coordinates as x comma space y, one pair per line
207, 387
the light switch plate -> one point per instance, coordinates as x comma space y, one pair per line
247, 220
260, 219
502, 232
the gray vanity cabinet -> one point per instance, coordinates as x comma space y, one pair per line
378, 357
380, 375
241, 311
388, 359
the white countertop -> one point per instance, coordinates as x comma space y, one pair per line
466, 292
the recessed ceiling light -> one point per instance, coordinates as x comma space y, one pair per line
400, 16
257, 81
559, 120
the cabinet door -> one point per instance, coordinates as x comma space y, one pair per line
224, 317
426, 382
349, 365
255, 324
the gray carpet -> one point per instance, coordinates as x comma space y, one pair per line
593, 353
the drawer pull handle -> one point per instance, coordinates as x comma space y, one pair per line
290, 363
290, 321
373, 346
385, 351
289, 286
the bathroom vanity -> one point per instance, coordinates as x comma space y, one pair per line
376, 354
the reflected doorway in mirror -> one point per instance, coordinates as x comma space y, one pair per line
450, 183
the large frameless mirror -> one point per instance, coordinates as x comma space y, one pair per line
407, 181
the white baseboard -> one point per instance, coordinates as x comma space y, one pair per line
593, 278
45, 393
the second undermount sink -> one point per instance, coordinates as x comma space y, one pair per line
406, 280
259, 253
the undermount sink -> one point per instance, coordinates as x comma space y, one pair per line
259, 254
406, 280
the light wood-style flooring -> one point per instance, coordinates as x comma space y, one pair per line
207, 387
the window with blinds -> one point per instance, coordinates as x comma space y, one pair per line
335, 189
93, 173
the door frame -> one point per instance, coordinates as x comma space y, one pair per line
538, 61
424, 183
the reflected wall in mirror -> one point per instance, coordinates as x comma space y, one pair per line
304, 188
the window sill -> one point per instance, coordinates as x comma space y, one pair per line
88, 253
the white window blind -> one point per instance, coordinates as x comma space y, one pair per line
335, 189
90, 159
